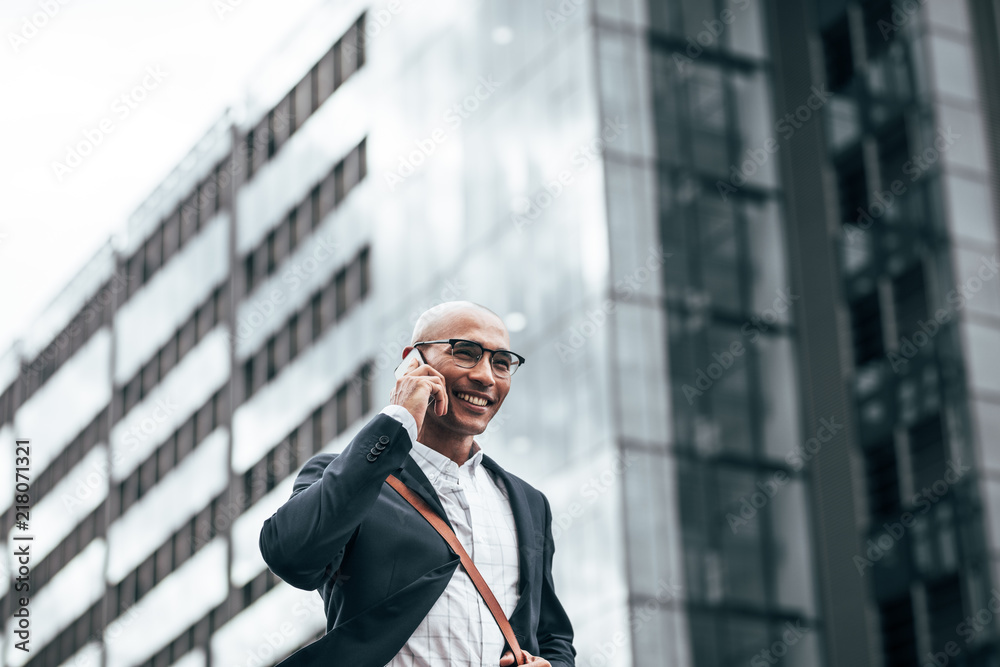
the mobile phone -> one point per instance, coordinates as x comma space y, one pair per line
410, 361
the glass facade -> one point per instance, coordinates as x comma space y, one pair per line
918, 244
731, 458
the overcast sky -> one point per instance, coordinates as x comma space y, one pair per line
64, 69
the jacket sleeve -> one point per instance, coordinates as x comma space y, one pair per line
303, 542
555, 633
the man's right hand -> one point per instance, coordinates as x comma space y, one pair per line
416, 389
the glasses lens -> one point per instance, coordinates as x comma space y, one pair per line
466, 354
504, 363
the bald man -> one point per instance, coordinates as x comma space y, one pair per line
395, 593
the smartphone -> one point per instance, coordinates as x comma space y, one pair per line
410, 361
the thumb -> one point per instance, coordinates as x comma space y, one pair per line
507, 659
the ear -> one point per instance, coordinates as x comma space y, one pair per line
406, 351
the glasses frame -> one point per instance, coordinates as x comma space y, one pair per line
452, 341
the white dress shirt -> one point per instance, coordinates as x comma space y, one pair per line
459, 630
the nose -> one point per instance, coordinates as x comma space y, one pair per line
482, 372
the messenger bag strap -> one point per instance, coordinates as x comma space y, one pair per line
441, 527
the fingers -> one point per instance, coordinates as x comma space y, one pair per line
440, 394
438, 387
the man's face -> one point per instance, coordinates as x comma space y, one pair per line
463, 417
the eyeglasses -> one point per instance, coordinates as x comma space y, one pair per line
467, 354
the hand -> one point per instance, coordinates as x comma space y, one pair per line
416, 389
533, 660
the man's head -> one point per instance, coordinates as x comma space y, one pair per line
471, 321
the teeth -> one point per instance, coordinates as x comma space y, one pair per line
475, 400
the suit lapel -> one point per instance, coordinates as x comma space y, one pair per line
411, 475
526, 551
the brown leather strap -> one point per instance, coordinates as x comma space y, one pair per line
441, 527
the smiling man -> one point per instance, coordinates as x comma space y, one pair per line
394, 591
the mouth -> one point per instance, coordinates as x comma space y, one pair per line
478, 402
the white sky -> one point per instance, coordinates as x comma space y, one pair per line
66, 78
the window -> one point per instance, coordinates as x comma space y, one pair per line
132, 393
189, 217
282, 121
329, 305
898, 639
248, 378
248, 273
342, 410
187, 338
205, 318
248, 145
866, 328
261, 142
134, 271
294, 232
882, 480
707, 111
271, 361
171, 237
150, 376
944, 609
208, 196
269, 253
185, 439
280, 244
910, 298
340, 285
852, 189
363, 273
304, 101
325, 81
347, 174
328, 193
147, 476
317, 430
316, 312
315, 207
223, 182
927, 452
350, 59
837, 54
877, 14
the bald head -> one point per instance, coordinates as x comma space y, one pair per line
442, 320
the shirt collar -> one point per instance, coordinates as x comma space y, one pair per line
434, 464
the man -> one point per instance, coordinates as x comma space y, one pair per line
395, 593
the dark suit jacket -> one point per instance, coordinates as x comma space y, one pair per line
380, 566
